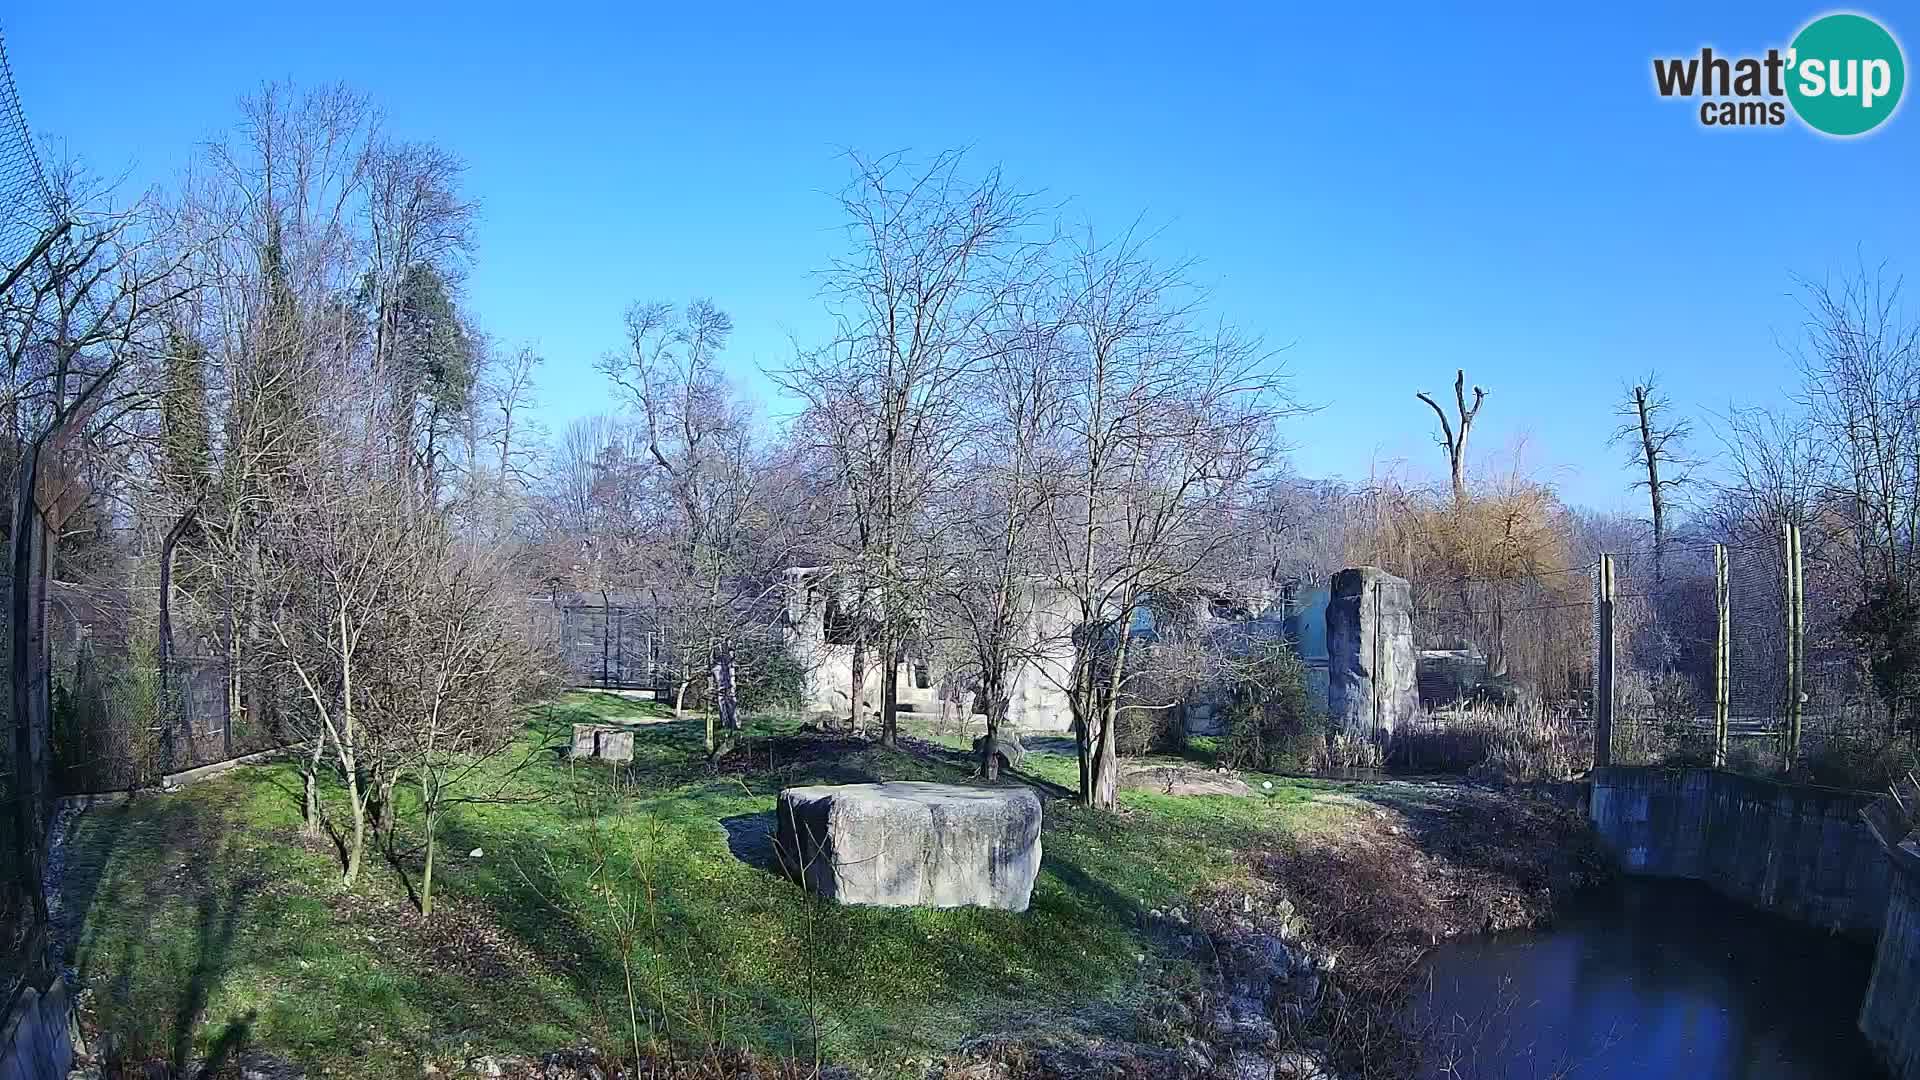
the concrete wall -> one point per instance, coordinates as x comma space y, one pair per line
1890, 1017
36, 1040
1036, 700
1802, 852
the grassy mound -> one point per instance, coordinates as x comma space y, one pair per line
202, 922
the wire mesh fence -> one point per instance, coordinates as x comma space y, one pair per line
1738, 654
116, 720
1742, 657
26, 202
1489, 641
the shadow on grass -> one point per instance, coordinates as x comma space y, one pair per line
217, 913
750, 838
130, 870
528, 899
230, 1044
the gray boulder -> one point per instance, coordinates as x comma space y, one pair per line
1372, 687
604, 741
906, 843
1007, 745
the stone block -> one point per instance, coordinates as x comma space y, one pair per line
1007, 746
1372, 683
908, 843
603, 741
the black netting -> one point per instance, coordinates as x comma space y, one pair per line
26, 203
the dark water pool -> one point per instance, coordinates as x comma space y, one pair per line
1652, 979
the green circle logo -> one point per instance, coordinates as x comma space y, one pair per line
1845, 74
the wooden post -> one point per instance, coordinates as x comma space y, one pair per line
1603, 672
1796, 651
1722, 655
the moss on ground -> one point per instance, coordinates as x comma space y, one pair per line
203, 921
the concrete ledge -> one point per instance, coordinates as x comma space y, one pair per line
1797, 850
179, 779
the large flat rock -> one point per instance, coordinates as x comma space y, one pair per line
908, 843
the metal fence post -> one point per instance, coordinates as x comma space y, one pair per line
1722, 660
1796, 629
1603, 673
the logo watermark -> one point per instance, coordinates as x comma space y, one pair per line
1842, 75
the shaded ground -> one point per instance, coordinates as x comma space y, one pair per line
205, 927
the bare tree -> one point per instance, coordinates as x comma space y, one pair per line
1162, 424
1860, 378
1454, 442
277, 213
697, 438
90, 307
338, 561
419, 230
932, 257
460, 668
988, 588
1658, 449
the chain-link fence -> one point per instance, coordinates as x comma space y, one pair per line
1741, 655
1491, 641
1744, 654
26, 203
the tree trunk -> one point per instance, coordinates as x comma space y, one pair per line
996, 715
680, 703
349, 754
1650, 452
251, 705
232, 685
890, 694
29, 773
165, 650
359, 843
385, 818
1106, 764
855, 710
726, 698
310, 802
1080, 701
432, 826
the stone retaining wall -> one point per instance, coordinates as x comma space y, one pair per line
36, 1040
1890, 1017
1799, 851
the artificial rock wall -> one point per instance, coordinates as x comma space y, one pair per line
1371, 685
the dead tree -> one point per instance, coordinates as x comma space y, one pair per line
1452, 441
1657, 450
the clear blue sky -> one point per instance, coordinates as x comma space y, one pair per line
1394, 190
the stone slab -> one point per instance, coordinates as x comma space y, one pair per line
911, 843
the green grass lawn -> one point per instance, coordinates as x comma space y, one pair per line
202, 921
